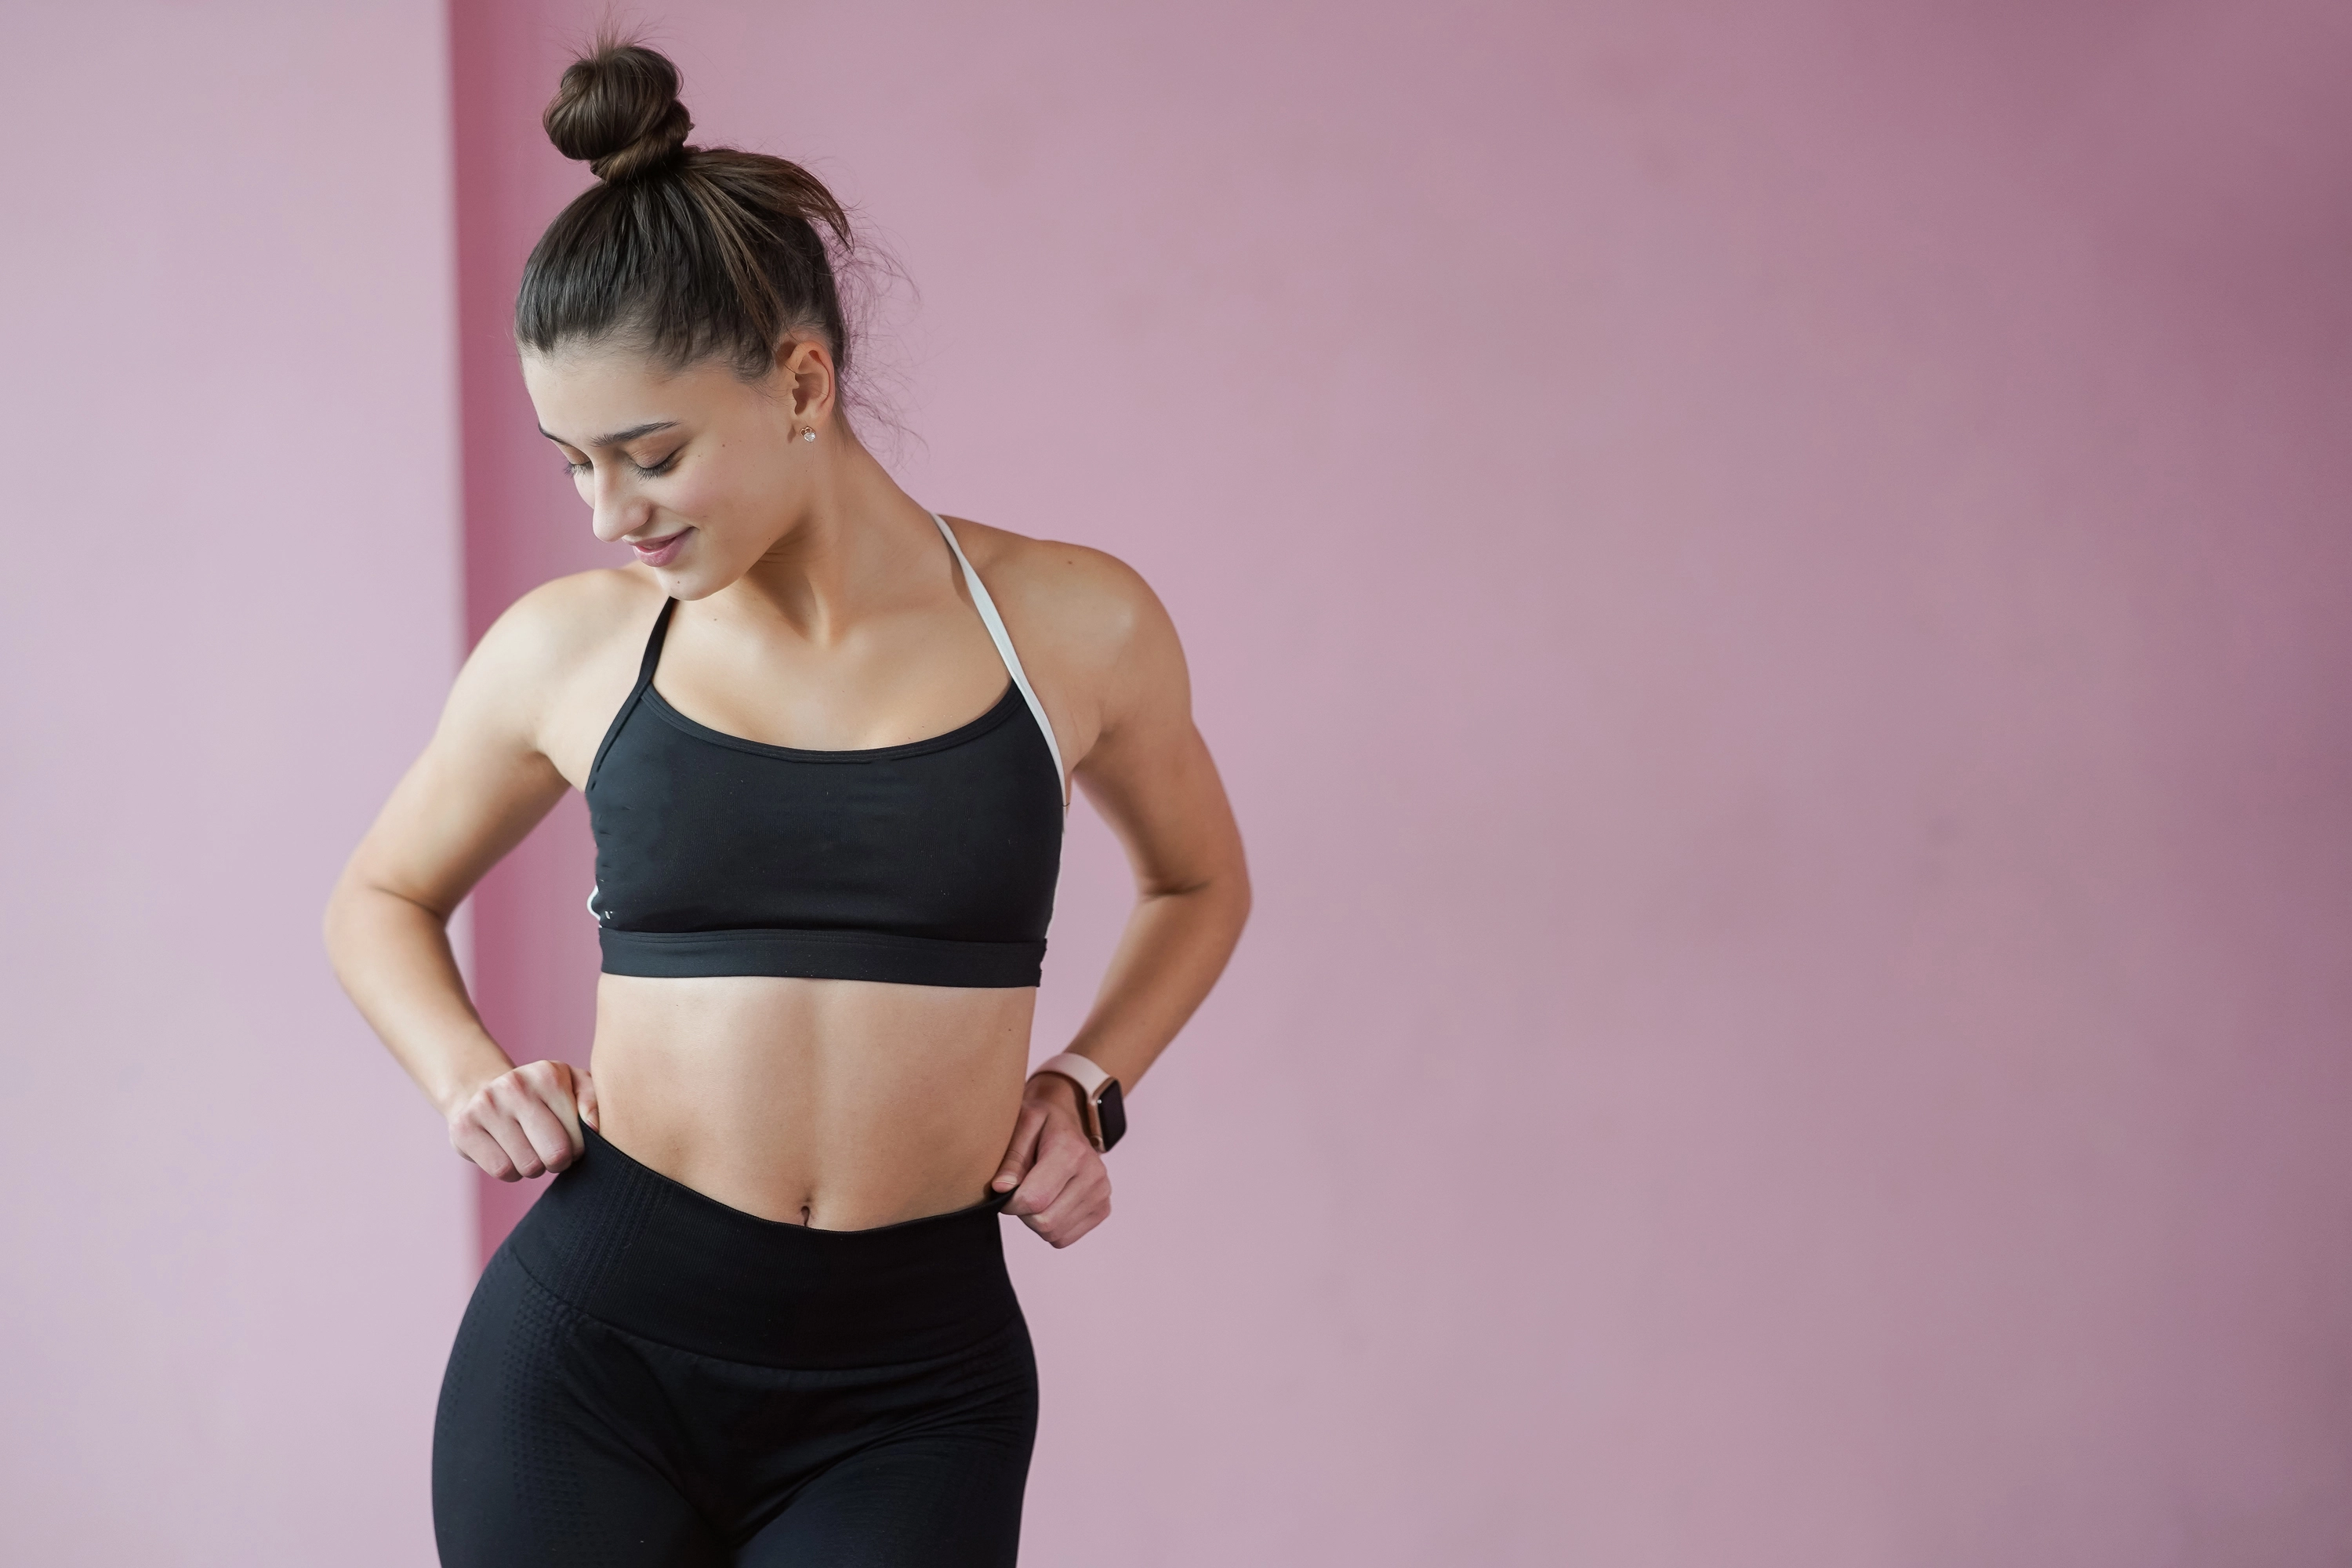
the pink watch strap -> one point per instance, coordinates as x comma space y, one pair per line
1090, 1078
1080, 1070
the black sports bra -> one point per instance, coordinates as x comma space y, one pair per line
927, 864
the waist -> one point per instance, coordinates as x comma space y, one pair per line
881, 957
623, 1244
840, 1103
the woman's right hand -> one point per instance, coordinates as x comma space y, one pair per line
526, 1122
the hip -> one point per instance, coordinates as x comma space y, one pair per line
618, 1241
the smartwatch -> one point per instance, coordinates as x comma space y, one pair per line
1100, 1106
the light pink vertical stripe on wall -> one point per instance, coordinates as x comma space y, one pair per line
232, 1241
1769, 582
535, 971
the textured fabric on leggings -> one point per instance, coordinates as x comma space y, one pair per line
645, 1376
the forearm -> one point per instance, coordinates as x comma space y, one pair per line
1174, 947
393, 958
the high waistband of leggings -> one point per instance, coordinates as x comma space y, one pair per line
627, 1245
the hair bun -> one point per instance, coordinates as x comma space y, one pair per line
617, 109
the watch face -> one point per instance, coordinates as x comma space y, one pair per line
1112, 1112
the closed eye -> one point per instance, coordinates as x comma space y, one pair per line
652, 472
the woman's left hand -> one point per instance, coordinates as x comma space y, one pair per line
1059, 1187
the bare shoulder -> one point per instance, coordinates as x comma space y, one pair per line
553, 653
561, 622
1095, 637
1088, 605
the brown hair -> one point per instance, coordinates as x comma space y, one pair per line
683, 253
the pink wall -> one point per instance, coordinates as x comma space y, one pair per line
536, 972
232, 1244
1768, 582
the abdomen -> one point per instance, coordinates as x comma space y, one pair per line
843, 1104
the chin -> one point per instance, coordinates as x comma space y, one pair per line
689, 582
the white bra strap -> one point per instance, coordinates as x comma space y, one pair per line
1003, 640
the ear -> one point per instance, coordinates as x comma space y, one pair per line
805, 370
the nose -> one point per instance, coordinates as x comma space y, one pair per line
616, 511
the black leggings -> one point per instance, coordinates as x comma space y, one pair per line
646, 1376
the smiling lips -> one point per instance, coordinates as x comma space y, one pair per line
663, 551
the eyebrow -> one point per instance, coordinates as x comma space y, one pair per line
617, 438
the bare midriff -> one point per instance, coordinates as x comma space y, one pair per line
840, 1104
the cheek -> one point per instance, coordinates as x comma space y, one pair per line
703, 496
723, 491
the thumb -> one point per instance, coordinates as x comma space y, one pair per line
1021, 1152
583, 1094
566, 1106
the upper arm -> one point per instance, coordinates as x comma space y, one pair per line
485, 777
1146, 769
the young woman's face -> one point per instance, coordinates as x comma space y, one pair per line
697, 471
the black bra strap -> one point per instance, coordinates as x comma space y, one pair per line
654, 646
645, 680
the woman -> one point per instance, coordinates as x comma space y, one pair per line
762, 1316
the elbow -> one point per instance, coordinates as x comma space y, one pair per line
1233, 887
355, 916
1219, 897
335, 920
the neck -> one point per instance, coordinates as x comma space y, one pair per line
859, 545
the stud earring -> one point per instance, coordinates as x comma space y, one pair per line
808, 435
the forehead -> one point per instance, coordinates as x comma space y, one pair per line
582, 393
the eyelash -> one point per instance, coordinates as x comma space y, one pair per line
576, 469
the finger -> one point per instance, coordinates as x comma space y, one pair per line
1082, 1205
565, 1101
550, 1083
1064, 1232
522, 1161
486, 1130
1058, 1159
538, 1097
471, 1141
583, 1095
1021, 1150
533, 1111
507, 1104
